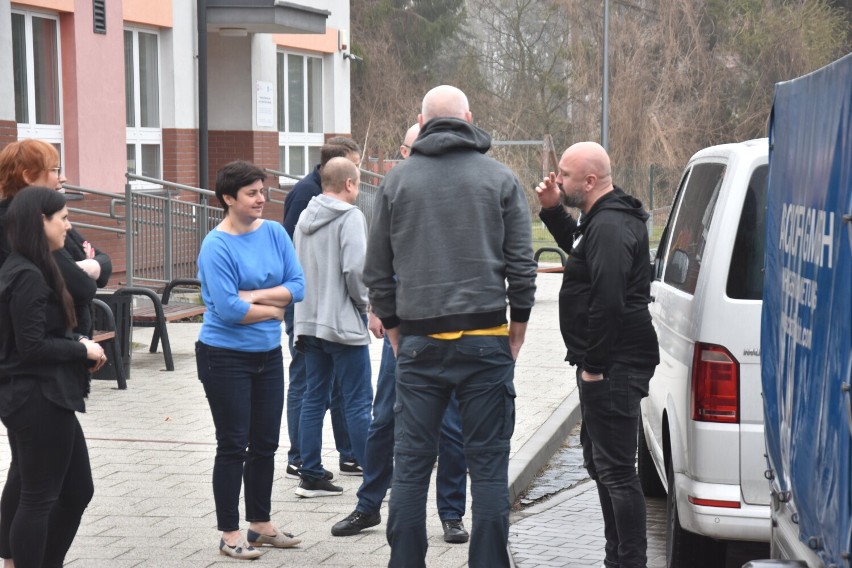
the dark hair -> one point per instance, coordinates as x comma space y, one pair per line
235, 176
25, 232
338, 147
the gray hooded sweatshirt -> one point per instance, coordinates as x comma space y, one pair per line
331, 243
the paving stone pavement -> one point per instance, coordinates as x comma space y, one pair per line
567, 531
152, 449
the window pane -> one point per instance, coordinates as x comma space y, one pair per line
19, 66
149, 83
131, 158
297, 160
296, 93
129, 96
282, 102
313, 156
282, 158
314, 94
695, 213
151, 160
46, 71
745, 275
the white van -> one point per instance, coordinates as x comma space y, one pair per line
703, 419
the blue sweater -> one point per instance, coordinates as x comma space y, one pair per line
227, 263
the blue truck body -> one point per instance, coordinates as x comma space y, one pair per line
806, 326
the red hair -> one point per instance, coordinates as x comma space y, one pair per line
29, 158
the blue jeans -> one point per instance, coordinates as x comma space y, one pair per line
295, 394
610, 410
327, 362
245, 391
479, 369
378, 465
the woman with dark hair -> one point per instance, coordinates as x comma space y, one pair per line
84, 267
249, 273
43, 382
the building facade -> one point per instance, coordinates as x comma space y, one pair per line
114, 84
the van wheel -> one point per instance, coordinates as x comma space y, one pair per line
648, 478
685, 549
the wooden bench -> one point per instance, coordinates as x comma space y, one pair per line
106, 337
161, 311
551, 269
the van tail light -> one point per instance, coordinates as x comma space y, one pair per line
715, 385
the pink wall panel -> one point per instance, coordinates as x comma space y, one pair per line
93, 88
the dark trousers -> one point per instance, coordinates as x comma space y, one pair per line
451, 482
245, 391
610, 410
479, 369
49, 484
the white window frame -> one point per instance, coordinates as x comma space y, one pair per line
52, 133
305, 140
138, 135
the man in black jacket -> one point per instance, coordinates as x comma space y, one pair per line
606, 326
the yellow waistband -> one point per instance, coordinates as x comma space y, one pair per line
448, 335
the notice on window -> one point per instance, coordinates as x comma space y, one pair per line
265, 101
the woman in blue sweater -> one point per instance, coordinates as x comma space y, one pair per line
249, 273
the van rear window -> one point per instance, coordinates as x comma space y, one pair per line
745, 275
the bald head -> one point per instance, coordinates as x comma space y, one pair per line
444, 101
590, 158
584, 175
408, 140
340, 178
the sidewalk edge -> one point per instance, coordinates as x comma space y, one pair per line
538, 450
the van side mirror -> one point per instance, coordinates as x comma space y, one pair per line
677, 267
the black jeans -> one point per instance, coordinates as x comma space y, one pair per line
49, 484
610, 410
479, 369
245, 391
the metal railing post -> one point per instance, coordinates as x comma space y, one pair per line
130, 230
167, 237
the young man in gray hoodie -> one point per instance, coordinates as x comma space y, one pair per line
331, 322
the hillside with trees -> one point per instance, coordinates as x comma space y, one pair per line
684, 74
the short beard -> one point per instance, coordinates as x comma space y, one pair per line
573, 200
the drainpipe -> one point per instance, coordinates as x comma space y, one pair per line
202, 94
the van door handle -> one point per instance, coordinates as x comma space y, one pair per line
846, 388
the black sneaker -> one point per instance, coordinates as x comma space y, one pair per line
351, 467
293, 472
310, 487
454, 531
355, 523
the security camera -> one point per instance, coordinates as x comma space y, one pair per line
352, 56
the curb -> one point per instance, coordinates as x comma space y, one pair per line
538, 450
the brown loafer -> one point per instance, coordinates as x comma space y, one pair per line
279, 540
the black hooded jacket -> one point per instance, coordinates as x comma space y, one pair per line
606, 288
